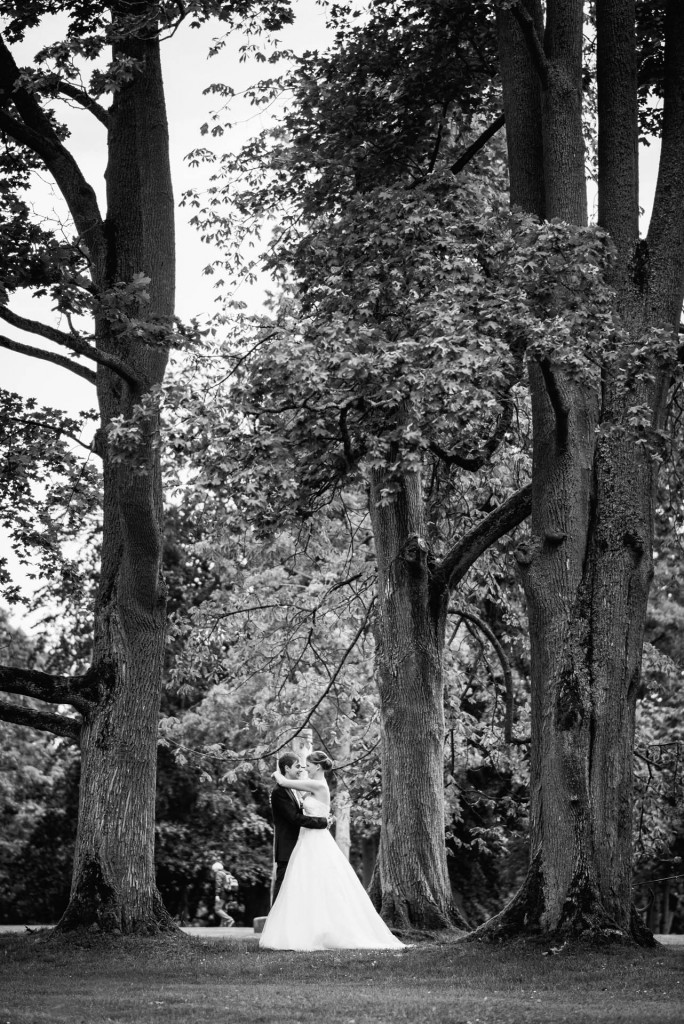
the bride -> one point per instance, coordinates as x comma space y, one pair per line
321, 904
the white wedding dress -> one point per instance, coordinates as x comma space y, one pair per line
321, 903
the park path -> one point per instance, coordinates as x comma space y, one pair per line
204, 933
249, 933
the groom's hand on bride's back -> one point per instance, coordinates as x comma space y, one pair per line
307, 821
331, 820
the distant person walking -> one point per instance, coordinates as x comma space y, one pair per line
224, 885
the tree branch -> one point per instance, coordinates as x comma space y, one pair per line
505, 668
35, 327
438, 140
51, 357
72, 342
559, 403
54, 428
34, 129
46, 721
534, 44
24, 135
332, 681
350, 456
473, 462
497, 524
478, 144
85, 101
44, 686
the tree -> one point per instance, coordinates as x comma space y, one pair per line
597, 426
119, 271
398, 326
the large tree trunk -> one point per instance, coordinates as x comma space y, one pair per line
411, 882
587, 571
114, 881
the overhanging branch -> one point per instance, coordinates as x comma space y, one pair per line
497, 524
478, 459
32, 128
26, 136
86, 101
46, 721
47, 687
73, 343
35, 327
54, 428
489, 633
51, 357
478, 144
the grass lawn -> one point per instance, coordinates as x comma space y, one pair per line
184, 980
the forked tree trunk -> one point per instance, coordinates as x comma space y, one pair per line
114, 881
587, 571
586, 578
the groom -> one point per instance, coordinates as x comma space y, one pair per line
288, 818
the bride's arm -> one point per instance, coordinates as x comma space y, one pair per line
305, 785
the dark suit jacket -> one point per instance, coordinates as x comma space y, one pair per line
288, 818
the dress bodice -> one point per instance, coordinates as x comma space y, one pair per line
314, 807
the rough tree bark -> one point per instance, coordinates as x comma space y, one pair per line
113, 884
587, 570
411, 867
410, 886
114, 880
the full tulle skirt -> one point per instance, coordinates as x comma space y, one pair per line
322, 904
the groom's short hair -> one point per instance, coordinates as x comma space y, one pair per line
286, 760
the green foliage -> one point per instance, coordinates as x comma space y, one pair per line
30, 255
287, 628
201, 821
651, 65
402, 337
48, 494
403, 87
377, 109
38, 799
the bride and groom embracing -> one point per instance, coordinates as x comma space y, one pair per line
318, 901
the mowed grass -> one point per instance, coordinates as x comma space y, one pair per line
184, 980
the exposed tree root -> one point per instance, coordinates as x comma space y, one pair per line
97, 906
583, 918
413, 916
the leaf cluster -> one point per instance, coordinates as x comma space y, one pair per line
47, 492
403, 335
393, 98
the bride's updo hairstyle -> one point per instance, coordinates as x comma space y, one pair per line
318, 757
